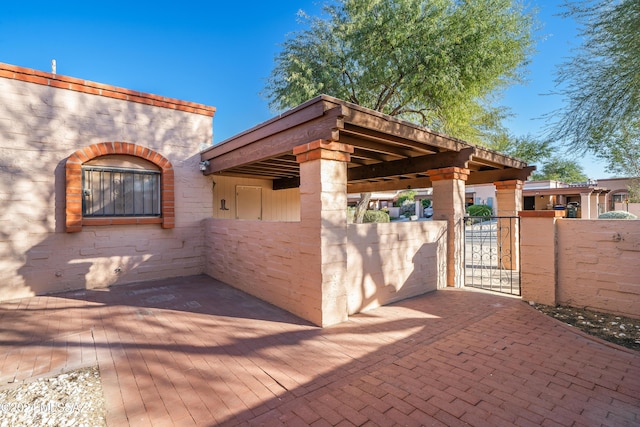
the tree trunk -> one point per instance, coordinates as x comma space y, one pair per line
362, 207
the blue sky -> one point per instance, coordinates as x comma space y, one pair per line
220, 53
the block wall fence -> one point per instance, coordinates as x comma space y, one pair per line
581, 263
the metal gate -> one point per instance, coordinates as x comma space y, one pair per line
492, 253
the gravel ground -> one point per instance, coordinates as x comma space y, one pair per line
624, 331
75, 398
71, 399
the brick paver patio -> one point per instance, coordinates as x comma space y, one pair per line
193, 351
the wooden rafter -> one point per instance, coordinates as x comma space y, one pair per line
412, 165
388, 154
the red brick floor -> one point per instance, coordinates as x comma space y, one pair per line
193, 351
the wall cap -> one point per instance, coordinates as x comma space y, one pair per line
30, 75
542, 214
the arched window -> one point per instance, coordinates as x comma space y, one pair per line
113, 183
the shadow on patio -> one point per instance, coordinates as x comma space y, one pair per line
192, 350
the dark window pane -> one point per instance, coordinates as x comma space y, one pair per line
120, 192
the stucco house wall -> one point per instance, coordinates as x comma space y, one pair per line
44, 118
278, 205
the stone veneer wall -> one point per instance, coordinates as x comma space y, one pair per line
44, 118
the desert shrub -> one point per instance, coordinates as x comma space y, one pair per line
426, 203
479, 210
617, 215
376, 216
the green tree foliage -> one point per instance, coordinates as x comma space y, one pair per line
480, 210
558, 169
437, 63
526, 148
601, 84
405, 196
634, 190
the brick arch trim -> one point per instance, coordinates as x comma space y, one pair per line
73, 170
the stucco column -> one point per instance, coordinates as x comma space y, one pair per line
323, 217
539, 268
595, 204
448, 204
585, 205
509, 199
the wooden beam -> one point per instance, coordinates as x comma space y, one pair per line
325, 127
390, 185
419, 137
299, 115
491, 176
412, 165
388, 139
376, 147
495, 159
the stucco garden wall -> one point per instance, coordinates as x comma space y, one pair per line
599, 265
279, 262
388, 262
267, 260
581, 263
40, 126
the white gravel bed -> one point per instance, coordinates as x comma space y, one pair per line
71, 399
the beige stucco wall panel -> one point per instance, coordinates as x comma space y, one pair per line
40, 126
279, 205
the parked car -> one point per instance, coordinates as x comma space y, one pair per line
428, 212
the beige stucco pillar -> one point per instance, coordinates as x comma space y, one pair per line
539, 265
585, 204
509, 200
595, 204
323, 217
448, 204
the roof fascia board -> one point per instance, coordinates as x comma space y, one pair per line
271, 145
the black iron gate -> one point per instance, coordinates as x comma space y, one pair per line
492, 253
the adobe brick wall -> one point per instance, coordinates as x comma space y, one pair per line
392, 261
44, 119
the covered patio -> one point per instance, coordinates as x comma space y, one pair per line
298, 252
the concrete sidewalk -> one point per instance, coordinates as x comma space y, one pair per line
193, 351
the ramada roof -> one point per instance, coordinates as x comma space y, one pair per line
388, 153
